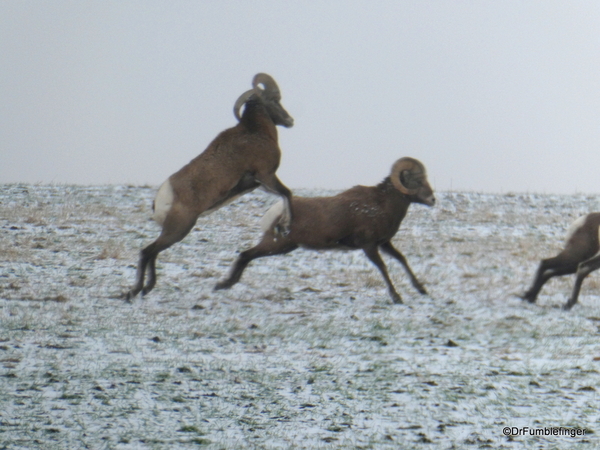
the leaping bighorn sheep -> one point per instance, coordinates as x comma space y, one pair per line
581, 255
237, 161
365, 218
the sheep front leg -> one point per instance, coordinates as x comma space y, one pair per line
389, 249
584, 269
375, 258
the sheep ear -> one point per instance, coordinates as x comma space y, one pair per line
407, 174
240, 102
410, 180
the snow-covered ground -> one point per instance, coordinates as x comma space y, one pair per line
306, 351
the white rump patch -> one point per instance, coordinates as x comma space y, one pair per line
163, 202
271, 216
576, 225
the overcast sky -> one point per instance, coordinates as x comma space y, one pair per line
493, 96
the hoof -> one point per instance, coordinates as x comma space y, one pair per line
134, 293
526, 298
397, 300
567, 306
222, 285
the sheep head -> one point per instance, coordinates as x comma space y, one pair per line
269, 95
409, 176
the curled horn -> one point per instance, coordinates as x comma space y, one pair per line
240, 101
407, 175
271, 89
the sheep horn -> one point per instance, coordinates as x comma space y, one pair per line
407, 175
271, 89
240, 102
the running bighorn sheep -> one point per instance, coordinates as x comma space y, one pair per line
237, 161
365, 218
581, 255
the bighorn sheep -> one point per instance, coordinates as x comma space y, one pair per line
365, 218
237, 161
580, 255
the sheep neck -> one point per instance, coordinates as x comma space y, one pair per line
256, 119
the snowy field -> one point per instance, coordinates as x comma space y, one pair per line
307, 351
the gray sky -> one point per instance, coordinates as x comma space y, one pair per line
491, 96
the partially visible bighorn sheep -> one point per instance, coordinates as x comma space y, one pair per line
365, 218
581, 255
237, 161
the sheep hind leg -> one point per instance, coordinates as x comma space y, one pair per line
146, 264
140, 274
269, 246
389, 249
584, 269
375, 258
548, 268
175, 228
151, 273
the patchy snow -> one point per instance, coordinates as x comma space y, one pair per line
307, 351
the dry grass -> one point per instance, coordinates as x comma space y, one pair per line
11, 253
373, 281
111, 250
